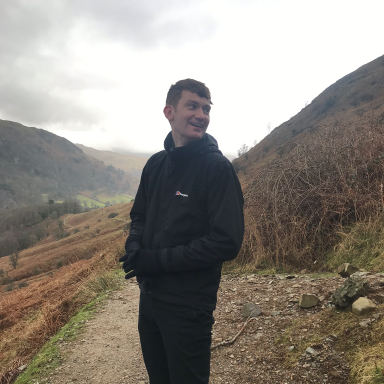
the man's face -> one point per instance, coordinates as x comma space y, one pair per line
190, 119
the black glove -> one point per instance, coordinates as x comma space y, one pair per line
144, 262
130, 247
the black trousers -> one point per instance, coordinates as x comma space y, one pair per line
176, 344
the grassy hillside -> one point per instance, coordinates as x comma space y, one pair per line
35, 162
355, 97
93, 199
316, 175
55, 278
129, 163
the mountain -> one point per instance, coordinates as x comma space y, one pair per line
317, 175
354, 97
129, 163
35, 162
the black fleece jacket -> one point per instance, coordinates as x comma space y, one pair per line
189, 207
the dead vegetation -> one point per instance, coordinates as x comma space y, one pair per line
31, 315
296, 206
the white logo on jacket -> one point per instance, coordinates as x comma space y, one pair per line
178, 193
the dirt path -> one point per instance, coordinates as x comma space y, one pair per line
65, 221
108, 352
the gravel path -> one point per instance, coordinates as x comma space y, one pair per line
108, 351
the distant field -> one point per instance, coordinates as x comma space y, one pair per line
99, 200
123, 198
90, 202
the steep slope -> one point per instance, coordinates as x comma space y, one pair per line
316, 175
35, 162
129, 163
357, 95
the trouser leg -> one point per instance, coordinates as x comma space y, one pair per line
187, 342
152, 345
175, 344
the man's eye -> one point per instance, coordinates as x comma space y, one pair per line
192, 107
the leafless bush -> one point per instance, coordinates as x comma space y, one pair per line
296, 205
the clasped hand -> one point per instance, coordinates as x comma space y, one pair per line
138, 262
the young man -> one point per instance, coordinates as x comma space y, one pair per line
187, 219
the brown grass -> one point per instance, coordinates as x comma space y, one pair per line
30, 316
45, 256
296, 205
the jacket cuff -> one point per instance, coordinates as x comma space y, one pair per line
166, 259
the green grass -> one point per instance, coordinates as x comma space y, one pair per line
361, 245
90, 202
102, 198
49, 356
116, 198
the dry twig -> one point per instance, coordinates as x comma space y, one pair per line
230, 342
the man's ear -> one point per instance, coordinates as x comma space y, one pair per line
168, 112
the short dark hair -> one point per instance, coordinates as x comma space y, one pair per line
194, 86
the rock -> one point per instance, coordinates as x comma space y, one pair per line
360, 274
296, 286
353, 288
308, 301
365, 323
291, 348
346, 270
362, 306
290, 277
251, 309
275, 313
22, 367
311, 351
303, 272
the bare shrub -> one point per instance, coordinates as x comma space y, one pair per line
14, 259
296, 205
23, 284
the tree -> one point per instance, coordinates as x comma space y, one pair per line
243, 149
14, 259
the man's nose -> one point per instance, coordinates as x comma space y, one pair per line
199, 114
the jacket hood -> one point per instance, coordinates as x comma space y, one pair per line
197, 148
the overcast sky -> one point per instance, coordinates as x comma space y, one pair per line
97, 72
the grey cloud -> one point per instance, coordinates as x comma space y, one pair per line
149, 23
34, 106
34, 38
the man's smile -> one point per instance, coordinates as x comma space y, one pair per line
198, 125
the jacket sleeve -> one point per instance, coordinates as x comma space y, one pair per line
226, 227
139, 208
